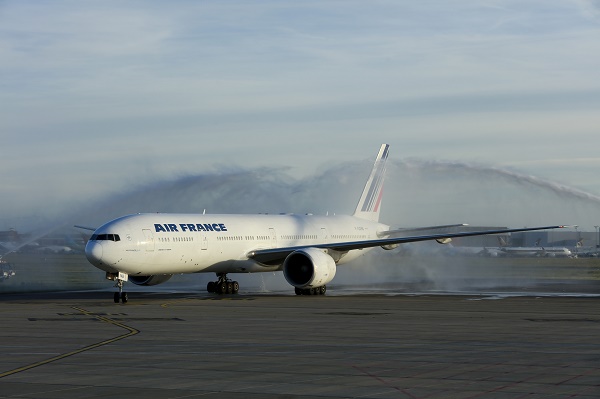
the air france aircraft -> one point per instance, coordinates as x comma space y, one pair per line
148, 249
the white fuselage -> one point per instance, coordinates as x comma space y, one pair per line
150, 244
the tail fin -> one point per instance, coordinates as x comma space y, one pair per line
368, 205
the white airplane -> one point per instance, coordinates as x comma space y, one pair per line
495, 252
148, 249
548, 252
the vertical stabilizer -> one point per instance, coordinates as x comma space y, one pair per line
368, 205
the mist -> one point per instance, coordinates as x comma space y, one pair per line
416, 193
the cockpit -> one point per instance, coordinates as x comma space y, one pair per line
105, 237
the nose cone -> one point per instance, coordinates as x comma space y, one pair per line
93, 252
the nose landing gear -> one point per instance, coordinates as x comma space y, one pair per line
119, 279
120, 295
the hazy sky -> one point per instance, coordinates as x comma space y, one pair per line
97, 96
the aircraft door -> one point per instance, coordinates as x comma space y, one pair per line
324, 235
273, 236
148, 240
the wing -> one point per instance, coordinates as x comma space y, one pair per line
411, 229
276, 256
85, 227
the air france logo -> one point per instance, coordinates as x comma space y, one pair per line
163, 228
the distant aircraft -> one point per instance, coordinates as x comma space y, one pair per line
549, 252
148, 249
505, 250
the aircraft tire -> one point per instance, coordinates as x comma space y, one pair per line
323, 289
230, 287
124, 297
221, 288
236, 287
117, 297
210, 287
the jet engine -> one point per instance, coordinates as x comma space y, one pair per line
308, 268
150, 280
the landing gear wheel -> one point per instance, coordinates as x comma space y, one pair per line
210, 287
221, 288
120, 296
223, 285
311, 291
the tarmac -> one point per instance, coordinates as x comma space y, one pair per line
261, 345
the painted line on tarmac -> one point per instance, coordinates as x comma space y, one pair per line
131, 332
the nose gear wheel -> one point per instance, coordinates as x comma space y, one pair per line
120, 296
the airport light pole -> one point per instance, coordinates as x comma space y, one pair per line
576, 240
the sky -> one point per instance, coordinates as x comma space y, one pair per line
101, 97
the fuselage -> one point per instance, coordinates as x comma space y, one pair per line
149, 244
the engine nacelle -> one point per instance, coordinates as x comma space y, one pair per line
150, 280
309, 268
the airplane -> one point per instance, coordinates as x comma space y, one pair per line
540, 251
548, 252
148, 249
505, 250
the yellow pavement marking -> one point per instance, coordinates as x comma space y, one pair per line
131, 332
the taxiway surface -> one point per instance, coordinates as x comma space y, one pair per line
187, 345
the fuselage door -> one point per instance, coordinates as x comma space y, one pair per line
273, 236
148, 240
204, 242
324, 236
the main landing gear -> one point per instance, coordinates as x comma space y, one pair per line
223, 285
311, 291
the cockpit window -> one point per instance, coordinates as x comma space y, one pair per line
105, 237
